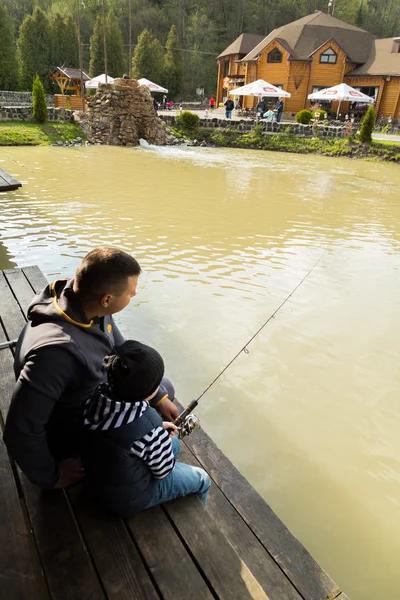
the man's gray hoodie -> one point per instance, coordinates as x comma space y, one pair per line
58, 364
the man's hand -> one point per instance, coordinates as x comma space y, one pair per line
71, 472
168, 410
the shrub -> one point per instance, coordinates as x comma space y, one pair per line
385, 128
188, 121
367, 126
304, 117
39, 108
321, 114
257, 130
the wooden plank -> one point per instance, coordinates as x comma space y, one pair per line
228, 574
11, 316
7, 381
20, 573
271, 578
292, 557
67, 566
170, 565
8, 183
21, 288
122, 572
341, 596
35, 277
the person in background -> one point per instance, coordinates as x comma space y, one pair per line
155, 104
279, 109
128, 454
261, 107
212, 103
170, 105
59, 363
229, 106
164, 102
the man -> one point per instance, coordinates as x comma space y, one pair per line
59, 362
261, 107
229, 106
279, 109
212, 103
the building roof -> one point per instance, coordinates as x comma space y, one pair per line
384, 59
302, 37
72, 73
243, 44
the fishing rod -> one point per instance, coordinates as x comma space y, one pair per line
7, 344
186, 422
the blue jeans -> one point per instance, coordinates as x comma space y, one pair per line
182, 480
279, 116
228, 114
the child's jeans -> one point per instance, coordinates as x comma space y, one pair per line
182, 480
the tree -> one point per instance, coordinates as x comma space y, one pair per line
148, 58
8, 61
173, 67
115, 48
34, 48
39, 108
64, 47
367, 126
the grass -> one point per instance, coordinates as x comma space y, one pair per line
347, 147
15, 133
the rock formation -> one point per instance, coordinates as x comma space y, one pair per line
121, 113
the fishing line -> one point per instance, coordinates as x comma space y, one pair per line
18, 162
245, 347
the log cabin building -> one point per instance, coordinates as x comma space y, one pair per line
312, 53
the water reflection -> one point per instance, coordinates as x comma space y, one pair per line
311, 414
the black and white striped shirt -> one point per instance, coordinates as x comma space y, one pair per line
102, 412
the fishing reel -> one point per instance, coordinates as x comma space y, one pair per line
187, 426
186, 422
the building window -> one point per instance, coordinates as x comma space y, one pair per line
278, 85
324, 103
329, 56
275, 56
369, 91
226, 68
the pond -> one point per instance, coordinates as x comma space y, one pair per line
311, 414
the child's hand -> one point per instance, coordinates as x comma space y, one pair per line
173, 430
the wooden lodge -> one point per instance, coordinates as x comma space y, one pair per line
69, 80
313, 53
55, 545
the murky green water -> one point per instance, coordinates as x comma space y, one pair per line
311, 416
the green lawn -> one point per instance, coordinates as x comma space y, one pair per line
15, 133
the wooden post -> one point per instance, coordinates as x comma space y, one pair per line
130, 40
81, 60
105, 41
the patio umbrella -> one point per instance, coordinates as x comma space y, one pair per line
343, 93
93, 84
260, 88
153, 87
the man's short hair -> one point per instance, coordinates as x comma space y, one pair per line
105, 271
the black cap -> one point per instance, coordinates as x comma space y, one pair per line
134, 371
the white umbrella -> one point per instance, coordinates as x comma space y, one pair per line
260, 88
153, 87
342, 93
93, 84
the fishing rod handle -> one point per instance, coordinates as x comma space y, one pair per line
180, 419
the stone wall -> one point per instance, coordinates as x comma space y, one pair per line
21, 99
246, 125
24, 113
121, 113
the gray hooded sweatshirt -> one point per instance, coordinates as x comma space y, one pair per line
58, 364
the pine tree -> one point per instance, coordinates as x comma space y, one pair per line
64, 47
173, 68
34, 50
39, 108
148, 58
367, 126
8, 61
115, 48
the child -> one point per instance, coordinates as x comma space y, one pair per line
206, 114
128, 453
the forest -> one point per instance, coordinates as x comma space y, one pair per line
173, 42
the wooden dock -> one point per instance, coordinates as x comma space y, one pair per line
8, 183
56, 546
